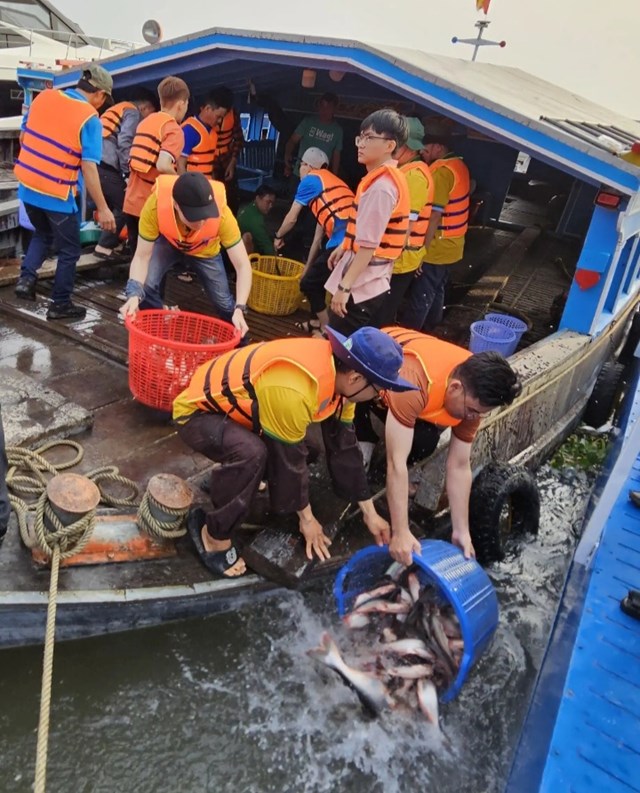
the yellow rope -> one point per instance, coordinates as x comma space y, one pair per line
164, 530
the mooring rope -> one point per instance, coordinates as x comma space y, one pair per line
164, 530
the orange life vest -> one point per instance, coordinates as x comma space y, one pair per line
455, 218
421, 224
438, 359
226, 384
335, 201
202, 156
394, 237
147, 142
46, 164
225, 133
111, 119
195, 240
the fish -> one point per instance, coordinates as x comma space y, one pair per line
388, 636
451, 627
355, 621
410, 647
456, 645
374, 594
438, 634
413, 672
428, 701
395, 571
413, 583
370, 690
405, 597
383, 607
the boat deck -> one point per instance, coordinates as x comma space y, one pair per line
596, 740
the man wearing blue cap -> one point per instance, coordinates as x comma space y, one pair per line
249, 411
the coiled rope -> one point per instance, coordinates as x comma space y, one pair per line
27, 476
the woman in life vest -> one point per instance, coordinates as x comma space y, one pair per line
249, 411
377, 227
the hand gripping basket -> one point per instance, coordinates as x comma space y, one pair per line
275, 288
166, 348
461, 582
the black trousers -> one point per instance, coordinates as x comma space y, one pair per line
133, 223
113, 186
358, 315
425, 435
313, 281
398, 288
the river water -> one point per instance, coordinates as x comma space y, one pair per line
232, 703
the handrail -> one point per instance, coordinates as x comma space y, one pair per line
73, 39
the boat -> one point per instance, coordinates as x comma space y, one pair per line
559, 244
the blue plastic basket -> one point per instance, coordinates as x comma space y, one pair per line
487, 335
461, 582
518, 326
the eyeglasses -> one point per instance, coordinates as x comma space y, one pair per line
363, 140
469, 412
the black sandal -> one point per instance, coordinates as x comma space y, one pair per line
309, 326
217, 562
631, 604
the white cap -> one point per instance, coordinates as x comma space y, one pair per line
315, 157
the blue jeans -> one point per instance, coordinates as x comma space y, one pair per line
210, 273
64, 231
424, 304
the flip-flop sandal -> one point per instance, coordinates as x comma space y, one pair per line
186, 278
631, 604
217, 562
309, 326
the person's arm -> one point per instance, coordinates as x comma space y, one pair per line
293, 141
241, 264
434, 222
315, 247
290, 220
138, 270
166, 163
334, 165
358, 266
92, 183
398, 440
458, 486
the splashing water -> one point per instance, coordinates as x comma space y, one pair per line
232, 703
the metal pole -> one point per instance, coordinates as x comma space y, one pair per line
477, 47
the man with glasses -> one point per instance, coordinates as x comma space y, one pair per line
249, 411
454, 389
377, 227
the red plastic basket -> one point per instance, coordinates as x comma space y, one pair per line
165, 349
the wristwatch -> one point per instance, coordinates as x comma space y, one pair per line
345, 289
242, 307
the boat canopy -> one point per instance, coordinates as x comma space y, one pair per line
504, 103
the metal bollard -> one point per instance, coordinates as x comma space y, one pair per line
71, 497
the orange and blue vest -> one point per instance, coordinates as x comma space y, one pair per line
147, 142
50, 164
111, 119
335, 202
203, 154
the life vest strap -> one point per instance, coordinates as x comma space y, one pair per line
46, 139
67, 182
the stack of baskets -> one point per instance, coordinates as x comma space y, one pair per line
166, 348
498, 332
275, 288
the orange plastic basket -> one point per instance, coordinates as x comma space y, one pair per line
166, 348
275, 288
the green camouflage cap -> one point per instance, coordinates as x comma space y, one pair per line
98, 77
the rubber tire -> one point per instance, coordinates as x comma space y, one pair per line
497, 485
632, 340
605, 394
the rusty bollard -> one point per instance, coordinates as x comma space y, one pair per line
164, 506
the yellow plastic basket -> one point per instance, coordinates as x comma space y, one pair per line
275, 288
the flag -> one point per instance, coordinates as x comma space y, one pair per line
483, 5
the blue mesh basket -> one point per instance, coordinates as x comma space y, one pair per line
518, 326
461, 582
487, 335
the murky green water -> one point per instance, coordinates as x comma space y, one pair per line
232, 703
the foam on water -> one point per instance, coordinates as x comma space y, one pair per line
233, 703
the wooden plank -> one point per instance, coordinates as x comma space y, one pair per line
10, 273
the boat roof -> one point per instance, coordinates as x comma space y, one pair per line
502, 102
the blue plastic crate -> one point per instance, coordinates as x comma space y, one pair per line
486, 335
461, 582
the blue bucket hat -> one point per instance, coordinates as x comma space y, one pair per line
371, 353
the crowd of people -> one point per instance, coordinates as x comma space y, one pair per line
382, 253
